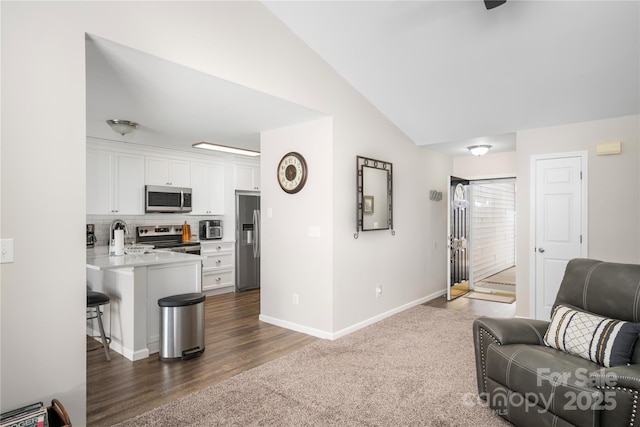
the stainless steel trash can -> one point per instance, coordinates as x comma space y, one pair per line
181, 326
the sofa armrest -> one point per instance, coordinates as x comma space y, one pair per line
513, 331
493, 331
620, 387
619, 376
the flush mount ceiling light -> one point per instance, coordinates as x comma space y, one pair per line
489, 4
479, 150
123, 127
225, 149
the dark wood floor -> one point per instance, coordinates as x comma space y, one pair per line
235, 341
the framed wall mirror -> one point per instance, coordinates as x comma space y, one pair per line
374, 200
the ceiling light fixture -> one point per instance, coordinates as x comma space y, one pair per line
123, 127
225, 149
479, 150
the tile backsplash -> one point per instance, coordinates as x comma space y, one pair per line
103, 222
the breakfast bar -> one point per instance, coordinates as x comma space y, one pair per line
135, 283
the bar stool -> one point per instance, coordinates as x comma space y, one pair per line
96, 300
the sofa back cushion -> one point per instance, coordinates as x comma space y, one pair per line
604, 288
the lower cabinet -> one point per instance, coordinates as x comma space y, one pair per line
218, 268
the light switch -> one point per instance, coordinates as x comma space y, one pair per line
6, 251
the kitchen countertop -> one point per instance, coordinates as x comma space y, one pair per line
98, 258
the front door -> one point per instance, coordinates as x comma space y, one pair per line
560, 223
458, 223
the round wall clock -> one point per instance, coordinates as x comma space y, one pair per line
292, 172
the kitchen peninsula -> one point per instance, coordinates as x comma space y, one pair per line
134, 284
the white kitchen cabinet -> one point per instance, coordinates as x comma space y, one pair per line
218, 268
164, 171
207, 184
115, 183
134, 290
247, 177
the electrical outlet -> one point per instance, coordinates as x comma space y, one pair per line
6, 251
296, 299
378, 290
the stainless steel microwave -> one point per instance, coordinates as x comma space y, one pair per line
167, 199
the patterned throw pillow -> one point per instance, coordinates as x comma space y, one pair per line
608, 342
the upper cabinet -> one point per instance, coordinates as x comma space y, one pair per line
207, 184
163, 171
117, 174
247, 177
115, 183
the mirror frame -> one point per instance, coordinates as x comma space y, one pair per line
362, 162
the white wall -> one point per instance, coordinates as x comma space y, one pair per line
296, 232
43, 169
43, 162
613, 191
498, 165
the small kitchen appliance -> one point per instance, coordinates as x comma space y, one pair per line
91, 235
167, 237
210, 229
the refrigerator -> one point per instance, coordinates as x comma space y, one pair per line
247, 240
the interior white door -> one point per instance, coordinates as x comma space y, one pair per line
560, 224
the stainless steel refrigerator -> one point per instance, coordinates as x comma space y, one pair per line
247, 240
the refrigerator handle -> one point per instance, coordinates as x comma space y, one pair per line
256, 233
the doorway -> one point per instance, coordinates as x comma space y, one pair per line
493, 238
481, 225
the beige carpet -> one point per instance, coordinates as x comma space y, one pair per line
413, 369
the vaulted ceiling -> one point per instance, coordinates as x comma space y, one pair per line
447, 73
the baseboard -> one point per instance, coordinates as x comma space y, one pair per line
116, 346
295, 327
381, 316
345, 331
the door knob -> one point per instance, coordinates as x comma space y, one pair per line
541, 250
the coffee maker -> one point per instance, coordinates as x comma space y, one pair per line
91, 235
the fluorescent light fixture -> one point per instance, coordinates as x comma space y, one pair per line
225, 149
479, 150
123, 127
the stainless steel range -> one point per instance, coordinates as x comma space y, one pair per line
167, 237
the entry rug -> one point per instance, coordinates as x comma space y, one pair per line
415, 368
491, 297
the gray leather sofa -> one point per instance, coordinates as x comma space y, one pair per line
532, 384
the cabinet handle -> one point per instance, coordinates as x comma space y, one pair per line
218, 279
218, 261
218, 247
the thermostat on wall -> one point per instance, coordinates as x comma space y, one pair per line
609, 147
